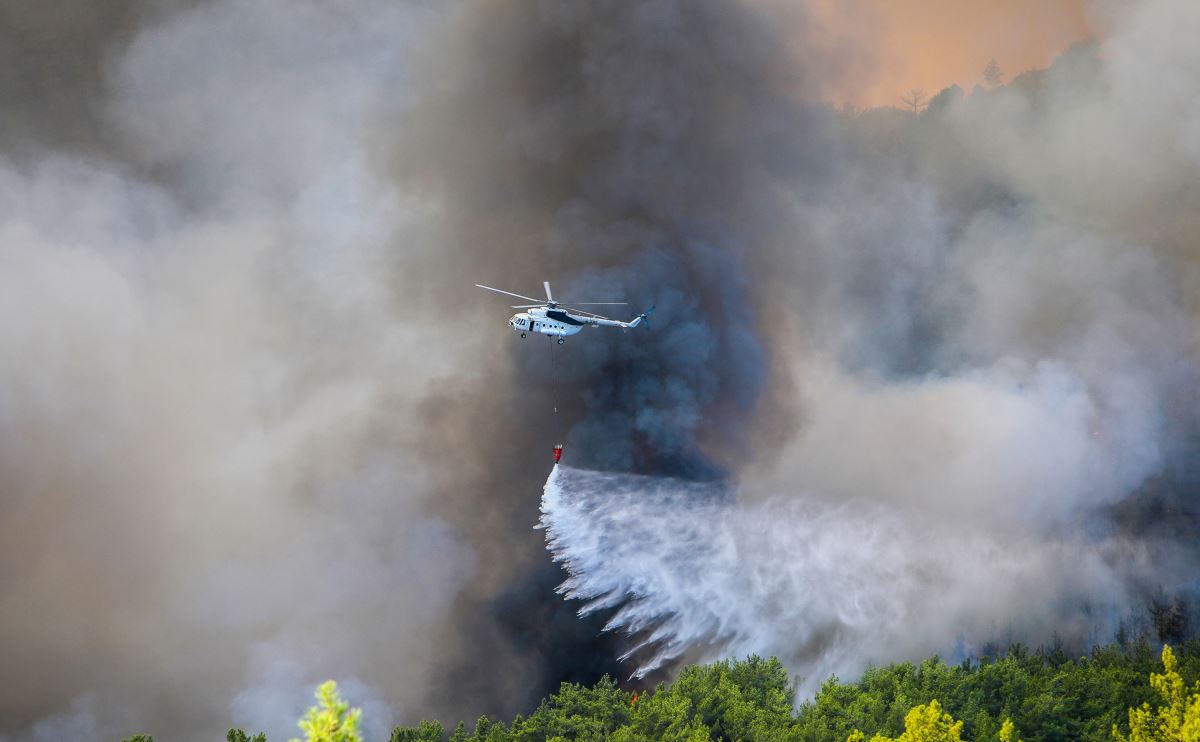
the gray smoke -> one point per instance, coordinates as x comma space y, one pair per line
212, 489
256, 431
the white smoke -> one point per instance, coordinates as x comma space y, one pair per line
208, 407
1016, 446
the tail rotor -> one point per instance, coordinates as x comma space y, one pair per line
643, 317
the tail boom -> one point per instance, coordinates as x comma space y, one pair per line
638, 319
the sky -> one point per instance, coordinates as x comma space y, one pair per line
932, 44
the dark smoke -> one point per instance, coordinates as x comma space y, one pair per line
621, 148
629, 150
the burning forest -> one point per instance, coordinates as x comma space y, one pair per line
921, 376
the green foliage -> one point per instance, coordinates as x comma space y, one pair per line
728, 700
577, 712
925, 723
139, 738
750, 700
426, 731
1176, 720
332, 719
1044, 694
1008, 731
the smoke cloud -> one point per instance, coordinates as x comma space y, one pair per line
988, 314
213, 494
255, 431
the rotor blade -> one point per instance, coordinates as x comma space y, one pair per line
498, 291
580, 311
526, 306
597, 303
549, 296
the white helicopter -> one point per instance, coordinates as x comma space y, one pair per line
549, 317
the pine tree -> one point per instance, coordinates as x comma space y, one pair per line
992, 74
332, 719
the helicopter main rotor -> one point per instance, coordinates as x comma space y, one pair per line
550, 303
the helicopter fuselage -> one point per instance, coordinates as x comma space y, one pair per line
557, 320
552, 322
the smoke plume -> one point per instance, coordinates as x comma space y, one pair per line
988, 313
257, 430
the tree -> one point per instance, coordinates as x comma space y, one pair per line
426, 731
751, 699
239, 735
1169, 618
944, 100
1008, 731
924, 723
578, 712
992, 74
460, 733
332, 719
914, 101
1177, 720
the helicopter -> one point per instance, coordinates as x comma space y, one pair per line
552, 318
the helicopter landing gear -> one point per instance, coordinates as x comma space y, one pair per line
561, 341
522, 334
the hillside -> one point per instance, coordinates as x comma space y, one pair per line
1025, 695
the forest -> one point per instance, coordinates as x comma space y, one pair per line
1124, 693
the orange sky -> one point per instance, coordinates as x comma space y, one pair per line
930, 44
